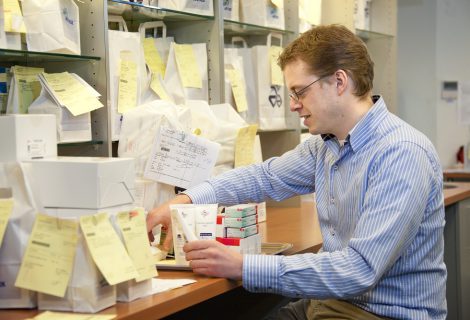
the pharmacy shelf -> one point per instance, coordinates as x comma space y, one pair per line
236, 28
9, 57
140, 12
370, 35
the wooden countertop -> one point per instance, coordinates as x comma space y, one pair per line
298, 226
457, 192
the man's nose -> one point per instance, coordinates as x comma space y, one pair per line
294, 105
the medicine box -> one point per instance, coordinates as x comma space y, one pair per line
84, 182
27, 136
240, 210
237, 222
241, 232
249, 245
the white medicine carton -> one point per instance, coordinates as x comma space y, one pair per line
27, 136
83, 182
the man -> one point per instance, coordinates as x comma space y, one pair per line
378, 186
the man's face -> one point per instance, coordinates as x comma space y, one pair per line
309, 98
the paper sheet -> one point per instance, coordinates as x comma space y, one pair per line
48, 261
49, 315
276, 72
157, 87
161, 285
134, 230
127, 91
27, 86
71, 93
6, 207
13, 17
152, 57
106, 248
238, 89
187, 66
244, 145
181, 159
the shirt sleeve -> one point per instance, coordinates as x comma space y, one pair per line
399, 184
277, 178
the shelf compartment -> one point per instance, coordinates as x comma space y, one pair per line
141, 12
234, 28
23, 56
81, 143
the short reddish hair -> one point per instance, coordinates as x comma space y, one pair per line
328, 48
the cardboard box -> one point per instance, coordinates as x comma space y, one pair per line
84, 182
27, 136
240, 210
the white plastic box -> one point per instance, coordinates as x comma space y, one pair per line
27, 136
84, 182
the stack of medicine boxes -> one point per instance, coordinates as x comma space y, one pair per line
22, 137
237, 228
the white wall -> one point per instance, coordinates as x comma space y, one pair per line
433, 45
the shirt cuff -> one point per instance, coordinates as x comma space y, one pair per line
203, 193
261, 273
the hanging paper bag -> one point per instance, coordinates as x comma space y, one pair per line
53, 25
270, 89
186, 75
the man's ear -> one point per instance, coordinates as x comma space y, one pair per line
341, 80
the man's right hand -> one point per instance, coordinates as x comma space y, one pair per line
162, 215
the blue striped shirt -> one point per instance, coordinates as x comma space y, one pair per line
381, 211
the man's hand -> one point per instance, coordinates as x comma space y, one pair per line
212, 258
162, 215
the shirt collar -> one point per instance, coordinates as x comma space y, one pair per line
360, 134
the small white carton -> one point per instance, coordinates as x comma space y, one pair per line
27, 136
84, 182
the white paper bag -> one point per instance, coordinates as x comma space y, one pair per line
202, 7
162, 44
70, 128
53, 25
263, 13
173, 81
130, 42
249, 75
13, 180
232, 10
87, 290
219, 123
270, 98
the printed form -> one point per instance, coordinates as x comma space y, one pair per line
181, 159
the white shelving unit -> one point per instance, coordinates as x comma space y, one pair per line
215, 32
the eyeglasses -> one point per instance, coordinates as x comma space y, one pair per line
296, 95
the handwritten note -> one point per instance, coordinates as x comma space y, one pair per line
106, 249
187, 66
238, 89
244, 145
48, 261
134, 230
127, 95
152, 57
6, 208
181, 159
276, 72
